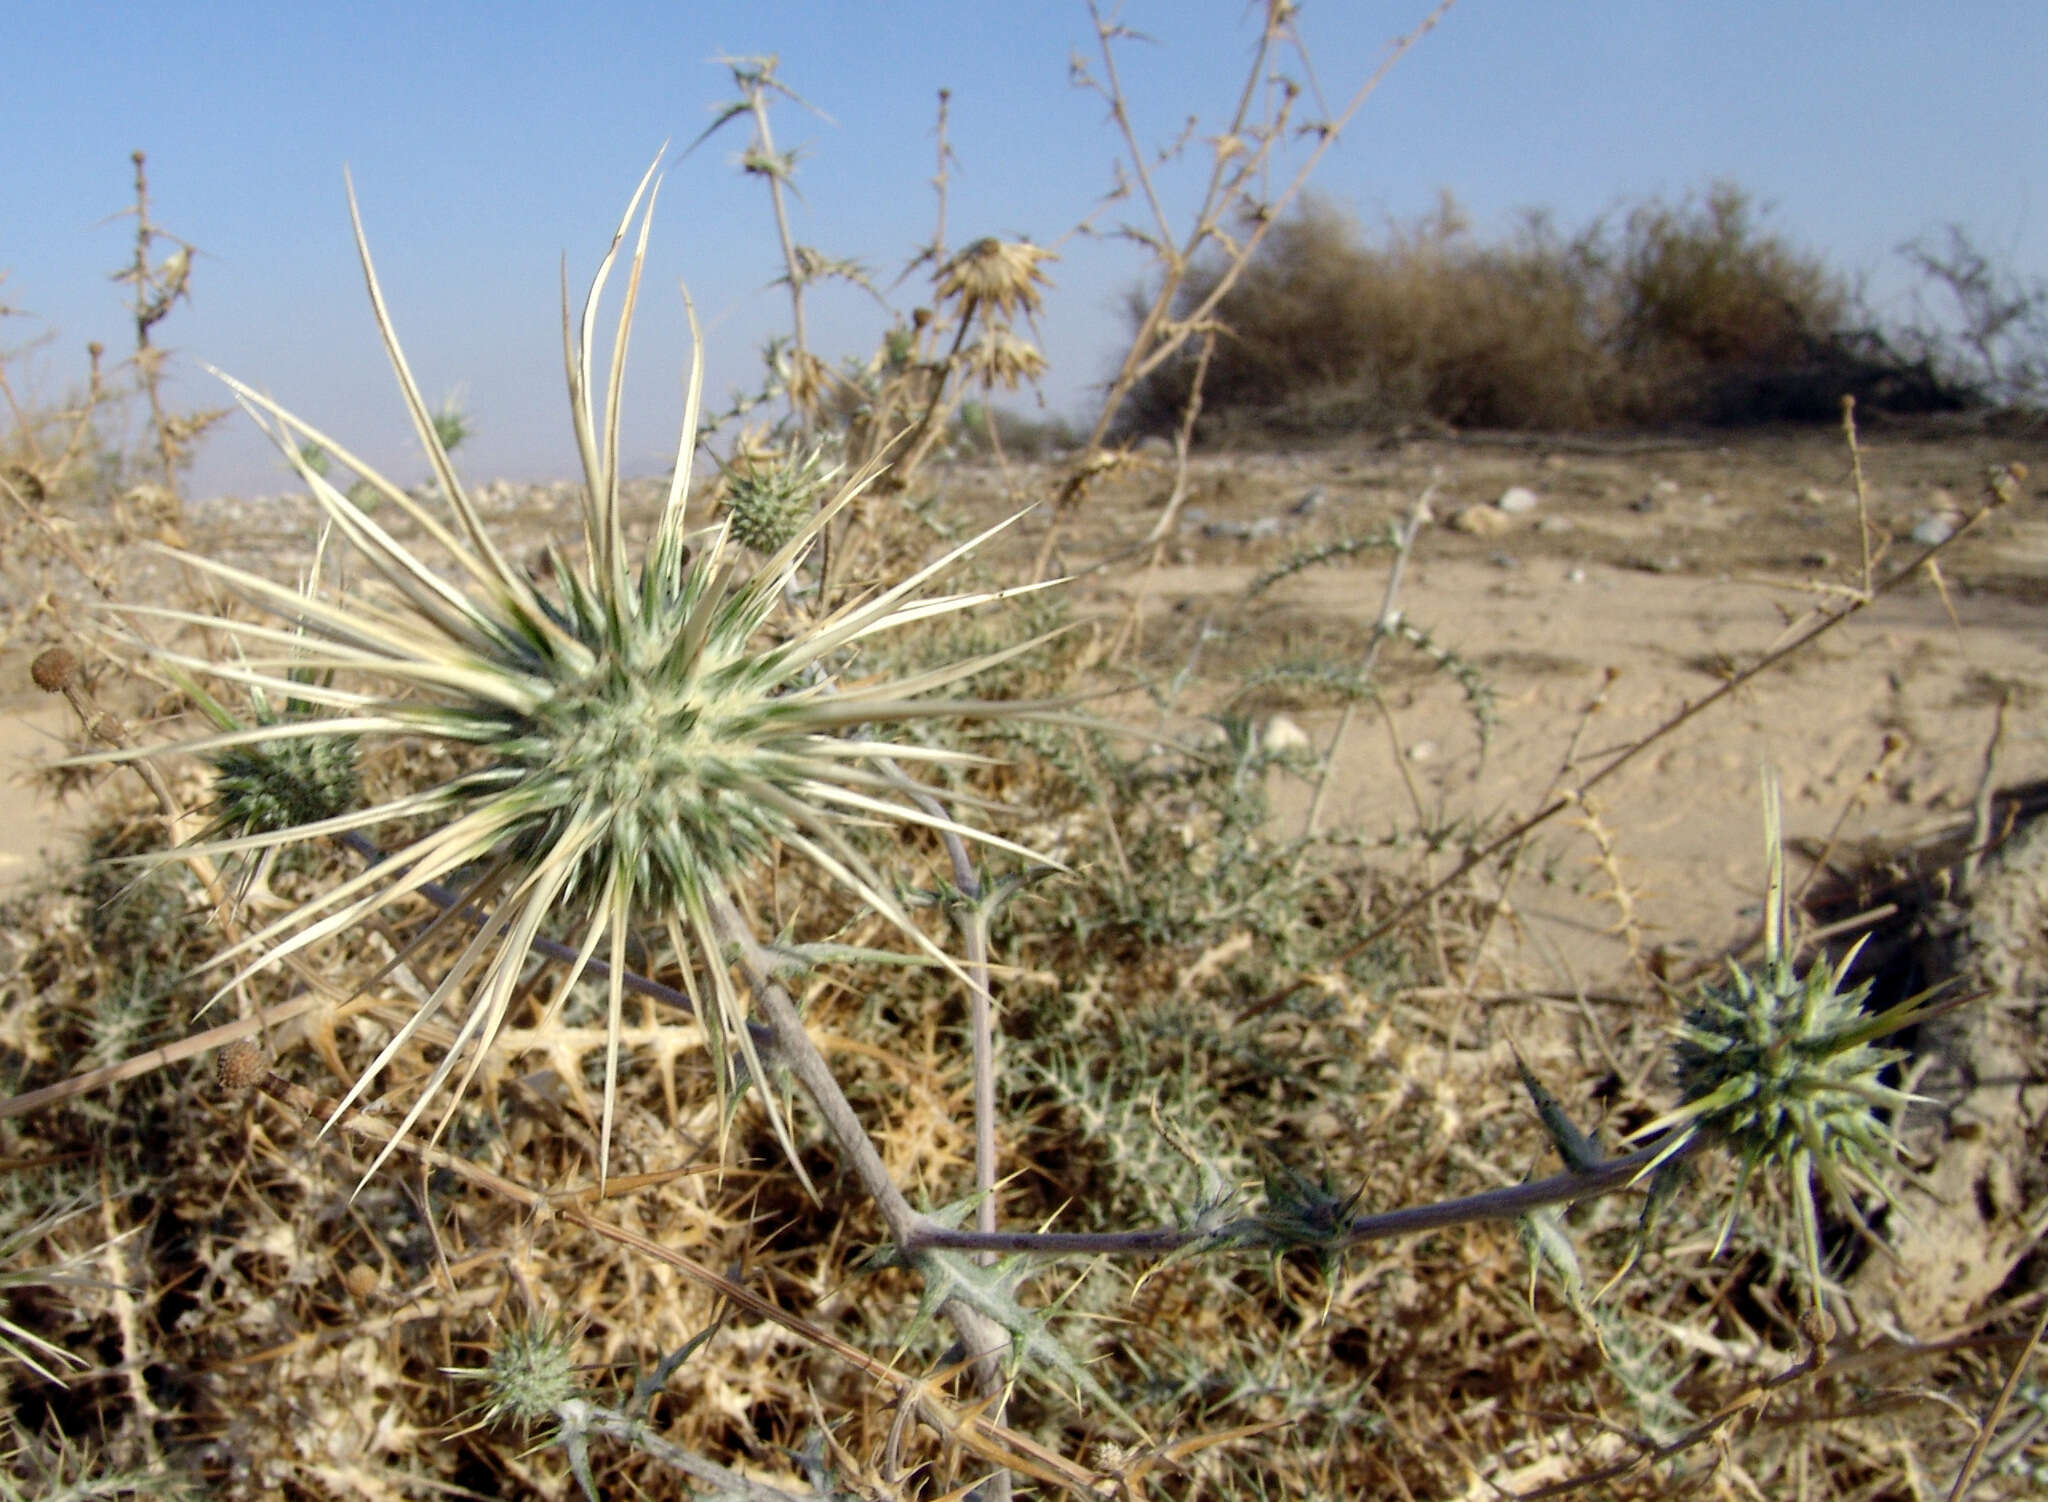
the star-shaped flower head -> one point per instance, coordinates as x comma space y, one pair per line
1785, 1071
641, 738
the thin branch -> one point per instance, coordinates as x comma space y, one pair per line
1493, 1204
1382, 626
1998, 1406
2003, 487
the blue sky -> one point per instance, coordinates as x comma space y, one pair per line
488, 141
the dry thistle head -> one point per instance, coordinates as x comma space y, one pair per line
1000, 358
1782, 1070
54, 670
238, 1066
644, 737
1002, 274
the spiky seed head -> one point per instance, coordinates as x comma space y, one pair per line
1002, 274
283, 784
238, 1066
770, 494
634, 738
1784, 1070
1774, 1064
531, 1375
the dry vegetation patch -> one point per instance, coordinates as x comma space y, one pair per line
1338, 910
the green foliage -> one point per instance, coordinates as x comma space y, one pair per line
770, 498
453, 427
1782, 1070
275, 785
1341, 549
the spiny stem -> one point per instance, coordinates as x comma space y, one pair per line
1492, 1204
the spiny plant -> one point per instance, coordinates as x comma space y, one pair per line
539, 687
1782, 1069
770, 495
639, 740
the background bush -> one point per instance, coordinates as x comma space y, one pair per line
1655, 314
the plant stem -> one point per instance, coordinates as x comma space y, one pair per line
798, 1054
982, 1339
1383, 624
1492, 1204
581, 1416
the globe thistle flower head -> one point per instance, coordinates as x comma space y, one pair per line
280, 783
283, 784
1783, 1070
531, 1375
637, 737
769, 494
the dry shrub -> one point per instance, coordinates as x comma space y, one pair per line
1663, 313
1326, 329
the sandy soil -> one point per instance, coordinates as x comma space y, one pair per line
1671, 566
1672, 563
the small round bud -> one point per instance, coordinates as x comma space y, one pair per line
54, 670
238, 1066
362, 1280
1818, 1328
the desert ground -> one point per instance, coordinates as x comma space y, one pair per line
1670, 563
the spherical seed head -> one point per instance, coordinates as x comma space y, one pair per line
769, 497
1784, 1071
238, 1066
54, 670
281, 784
632, 732
1780, 1069
1773, 1065
362, 1280
532, 1373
